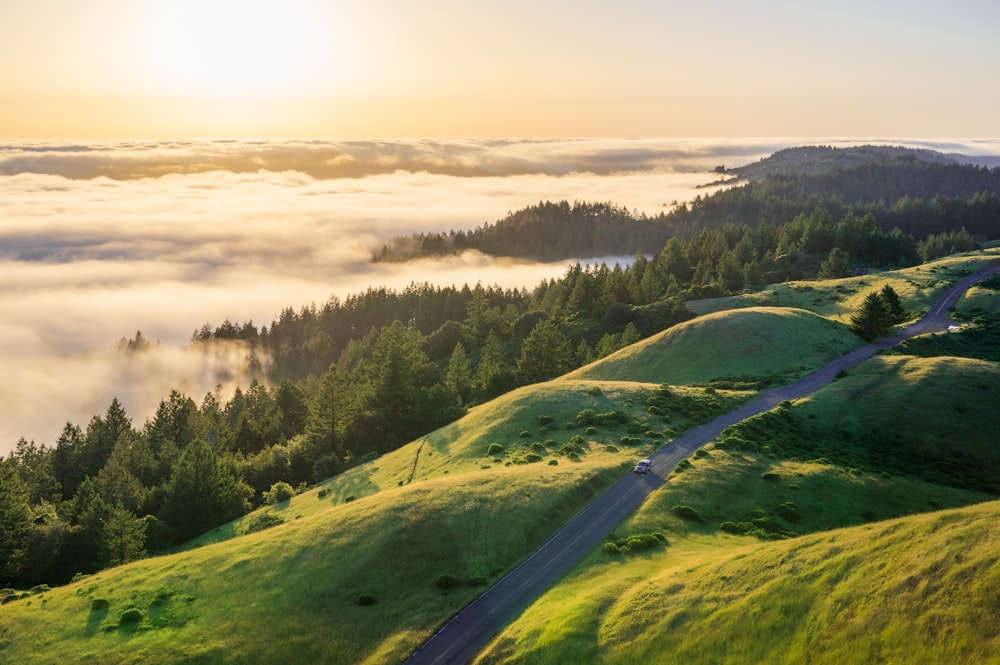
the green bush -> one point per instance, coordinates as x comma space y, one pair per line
538, 447
789, 511
771, 476
635, 543
99, 604
683, 466
494, 449
545, 420
280, 491
366, 599
586, 417
261, 521
687, 513
130, 615
446, 582
524, 434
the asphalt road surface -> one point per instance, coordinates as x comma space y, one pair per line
470, 630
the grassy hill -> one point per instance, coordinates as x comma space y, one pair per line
364, 567
920, 589
754, 343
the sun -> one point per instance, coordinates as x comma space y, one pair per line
225, 49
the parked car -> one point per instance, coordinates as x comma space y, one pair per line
643, 466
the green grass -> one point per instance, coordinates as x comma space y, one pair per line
753, 342
920, 589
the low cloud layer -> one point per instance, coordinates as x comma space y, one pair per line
99, 241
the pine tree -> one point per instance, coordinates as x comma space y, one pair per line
545, 354
871, 321
897, 313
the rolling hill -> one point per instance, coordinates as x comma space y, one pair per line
365, 566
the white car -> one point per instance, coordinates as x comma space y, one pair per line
643, 466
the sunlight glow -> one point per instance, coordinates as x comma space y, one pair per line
225, 49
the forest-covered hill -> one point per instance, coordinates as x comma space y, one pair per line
919, 192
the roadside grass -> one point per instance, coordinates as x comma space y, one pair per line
750, 344
917, 589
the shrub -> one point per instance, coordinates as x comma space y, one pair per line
524, 434
610, 448
630, 441
683, 466
641, 541
99, 604
591, 430
366, 599
530, 458
280, 491
701, 452
323, 493
262, 521
545, 420
538, 447
771, 476
553, 462
586, 417
594, 390
130, 615
789, 511
687, 513
446, 582
495, 449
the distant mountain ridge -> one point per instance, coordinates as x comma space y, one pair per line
823, 159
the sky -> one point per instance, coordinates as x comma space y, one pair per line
586, 68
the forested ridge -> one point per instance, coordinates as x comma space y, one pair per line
345, 380
919, 196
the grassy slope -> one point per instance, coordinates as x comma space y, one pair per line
920, 589
752, 342
439, 506
715, 597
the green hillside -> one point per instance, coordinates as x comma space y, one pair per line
821, 464
750, 343
920, 589
779, 548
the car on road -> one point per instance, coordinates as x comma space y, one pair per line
643, 466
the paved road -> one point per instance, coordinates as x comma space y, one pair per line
470, 630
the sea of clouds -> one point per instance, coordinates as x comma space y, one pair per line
99, 240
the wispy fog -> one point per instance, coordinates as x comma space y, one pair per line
100, 240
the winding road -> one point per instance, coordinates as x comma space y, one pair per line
469, 631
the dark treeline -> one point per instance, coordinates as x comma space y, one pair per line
339, 383
916, 196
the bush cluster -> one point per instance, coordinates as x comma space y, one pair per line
638, 542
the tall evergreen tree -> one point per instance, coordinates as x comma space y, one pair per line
871, 321
545, 354
897, 313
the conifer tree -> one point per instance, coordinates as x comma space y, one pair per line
894, 306
871, 321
